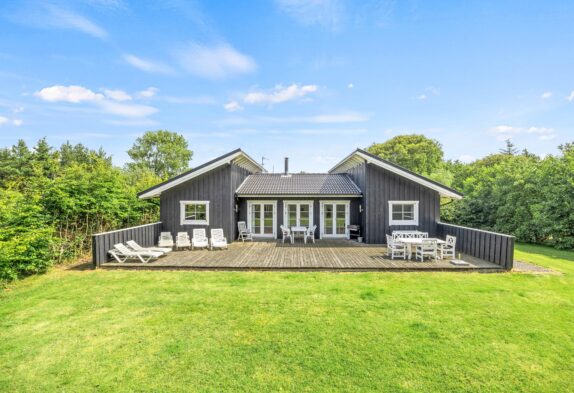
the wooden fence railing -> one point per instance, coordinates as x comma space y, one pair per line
489, 246
145, 235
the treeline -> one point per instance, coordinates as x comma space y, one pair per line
511, 191
53, 200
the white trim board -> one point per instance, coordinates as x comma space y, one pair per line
358, 157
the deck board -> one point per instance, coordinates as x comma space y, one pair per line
323, 255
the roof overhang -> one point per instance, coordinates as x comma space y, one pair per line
359, 157
331, 196
237, 157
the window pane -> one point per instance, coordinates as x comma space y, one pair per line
328, 230
196, 211
291, 215
397, 209
340, 220
304, 215
256, 219
268, 219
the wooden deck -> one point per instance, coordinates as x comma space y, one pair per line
323, 255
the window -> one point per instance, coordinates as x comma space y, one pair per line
194, 212
298, 213
403, 213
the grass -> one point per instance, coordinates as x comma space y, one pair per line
264, 331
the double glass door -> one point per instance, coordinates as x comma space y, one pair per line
262, 218
298, 214
334, 219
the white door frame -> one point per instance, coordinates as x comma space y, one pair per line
298, 203
347, 204
263, 202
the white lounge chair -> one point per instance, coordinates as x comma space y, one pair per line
310, 234
121, 253
165, 240
395, 248
199, 239
244, 232
286, 233
428, 248
136, 247
182, 240
218, 240
448, 249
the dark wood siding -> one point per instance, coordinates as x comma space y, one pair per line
218, 187
380, 186
359, 175
144, 235
353, 209
490, 246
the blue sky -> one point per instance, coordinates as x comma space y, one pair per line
311, 80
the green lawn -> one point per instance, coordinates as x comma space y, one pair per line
263, 331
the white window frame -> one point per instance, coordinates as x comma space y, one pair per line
298, 203
414, 221
322, 218
249, 223
183, 221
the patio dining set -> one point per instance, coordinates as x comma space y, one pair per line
402, 244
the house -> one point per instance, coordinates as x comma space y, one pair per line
362, 189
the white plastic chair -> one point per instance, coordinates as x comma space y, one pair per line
310, 234
182, 240
136, 247
395, 248
199, 239
448, 249
286, 233
428, 248
165, 240
244, 233
218, 240
121, 253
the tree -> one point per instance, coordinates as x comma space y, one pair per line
165, 153
510, 149
414, 152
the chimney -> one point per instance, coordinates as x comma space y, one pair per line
286, 165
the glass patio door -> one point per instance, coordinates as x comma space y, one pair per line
298, 214
334, 219
262, 218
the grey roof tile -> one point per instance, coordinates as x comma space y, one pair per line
298, 184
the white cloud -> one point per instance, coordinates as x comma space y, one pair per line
504, 129
340, 118
117, 95
72, 93
571, 96
350, 86
546, 95
279, 94
466, 158
325, 13
6, 121
66, 19
127, 110
429, 91
232, 106
110, 103
148, 93
504, 132
150, 66
217, 62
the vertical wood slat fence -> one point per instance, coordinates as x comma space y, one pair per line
489, 246
145, 235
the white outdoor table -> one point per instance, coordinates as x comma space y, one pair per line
409, 242
301, 230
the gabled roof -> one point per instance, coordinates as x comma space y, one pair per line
299, 184
360, 156
237, 157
